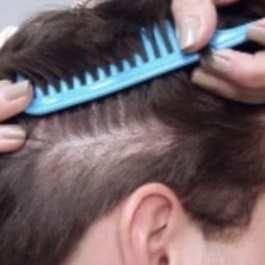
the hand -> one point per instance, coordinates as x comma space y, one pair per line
236, 75
231, 74
196, 21
14, 98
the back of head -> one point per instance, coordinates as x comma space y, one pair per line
79, 164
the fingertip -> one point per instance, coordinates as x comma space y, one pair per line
210, 82
200, 77
14, 98
260, 23
195, 26
238, 67
191, 34
12, 137
257, 33
7, 146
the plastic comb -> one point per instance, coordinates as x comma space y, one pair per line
162, 54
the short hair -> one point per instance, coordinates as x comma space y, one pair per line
79, 164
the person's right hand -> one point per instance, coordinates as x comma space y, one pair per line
14, 98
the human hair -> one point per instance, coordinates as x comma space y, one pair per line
79, 164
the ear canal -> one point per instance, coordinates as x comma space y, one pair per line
163, 260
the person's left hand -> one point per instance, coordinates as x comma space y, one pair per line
236, 75
231, 74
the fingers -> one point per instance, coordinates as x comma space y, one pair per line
14, 98
12, 137
225, 88
234, 75
257, 32
195, 21
240, 68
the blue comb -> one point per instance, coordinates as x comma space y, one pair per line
162, 55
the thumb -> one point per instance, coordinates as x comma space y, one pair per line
196, 21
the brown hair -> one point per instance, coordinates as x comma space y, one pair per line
81, 163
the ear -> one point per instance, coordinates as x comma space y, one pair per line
155, 230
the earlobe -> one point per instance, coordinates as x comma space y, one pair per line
151, 222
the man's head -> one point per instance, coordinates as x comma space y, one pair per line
159, 174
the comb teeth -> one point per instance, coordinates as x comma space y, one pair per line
171, 36
161, 54
160, 40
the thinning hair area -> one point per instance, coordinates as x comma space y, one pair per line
79, 164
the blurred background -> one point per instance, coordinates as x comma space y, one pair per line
13, 12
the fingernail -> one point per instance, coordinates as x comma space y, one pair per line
257, 33
188, 31
16, 91
12, 132
217, 63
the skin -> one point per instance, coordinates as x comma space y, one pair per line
220, 72
151, 228
14, 98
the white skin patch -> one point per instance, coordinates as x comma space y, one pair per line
6, 34
87, 3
